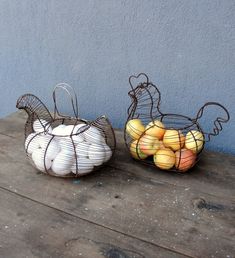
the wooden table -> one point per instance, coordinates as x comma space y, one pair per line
124, 210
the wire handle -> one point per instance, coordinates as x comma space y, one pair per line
73, 97
217, 122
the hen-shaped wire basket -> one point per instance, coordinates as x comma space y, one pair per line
62, 145
168, 141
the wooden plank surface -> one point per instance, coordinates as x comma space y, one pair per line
214, 174
30, 229
191, 214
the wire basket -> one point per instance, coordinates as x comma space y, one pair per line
61, 145
167, 141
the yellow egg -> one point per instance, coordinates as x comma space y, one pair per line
164, 158
135, 151
149, 144
194, 141
155, 129
135, 128
173, 139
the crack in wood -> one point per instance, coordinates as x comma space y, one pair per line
7, 135
201, 204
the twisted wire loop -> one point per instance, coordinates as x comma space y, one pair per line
218, 127
168, 141
65, 146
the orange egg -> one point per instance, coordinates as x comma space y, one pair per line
173, 139
149, 144
164, 158
136, 152
155, 129
184, 159
135, 128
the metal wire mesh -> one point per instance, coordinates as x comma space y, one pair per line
168, 141
61, 145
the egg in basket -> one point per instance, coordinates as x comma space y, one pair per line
61, 145
167, 141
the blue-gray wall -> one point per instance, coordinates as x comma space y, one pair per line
186, 47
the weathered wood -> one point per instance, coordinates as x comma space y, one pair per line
192, 214
176, 218
13, 124
214, 174
30, 229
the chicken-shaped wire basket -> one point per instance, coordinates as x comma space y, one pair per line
168, 141
61, 145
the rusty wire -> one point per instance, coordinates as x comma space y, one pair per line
145, 107
62, 145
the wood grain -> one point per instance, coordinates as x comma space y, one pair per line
214, 173
192, 214
30, 229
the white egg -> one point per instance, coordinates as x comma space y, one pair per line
93, 135
108, 152
83, 165
82, 149
32, 143
96, 154
66, 145
40, 161
41, 125
62, 163
52, 149
66, 132
78, 135
44, 140
78, 139
69, 129
58, 130
63, 132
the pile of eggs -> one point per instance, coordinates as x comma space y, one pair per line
167, 148
67, 149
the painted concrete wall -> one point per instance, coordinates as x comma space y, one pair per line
186, 47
